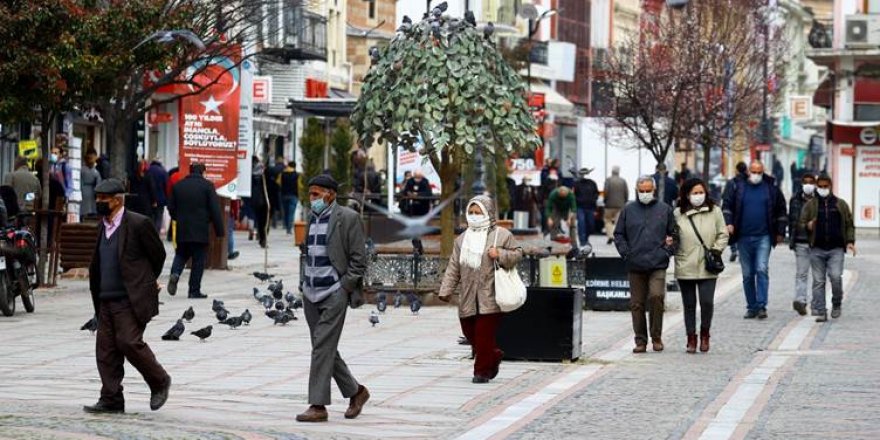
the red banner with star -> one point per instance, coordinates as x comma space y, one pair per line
209, 119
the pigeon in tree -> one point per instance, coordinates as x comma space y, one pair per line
441, 8
489, 30
217, 305
374, 56
91, 325
406, 27
374, 317
435, 29
409, 227
398, 300
246, 317
414, 303
189, 314
381, 302
233, 322
263, 276
222, 314
470, 18
173, 333
203, 333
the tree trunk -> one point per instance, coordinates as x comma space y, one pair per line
118, 126
707, 150
448, 175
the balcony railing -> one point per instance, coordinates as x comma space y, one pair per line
303, 34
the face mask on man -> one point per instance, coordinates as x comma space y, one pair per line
318, 205
697, 200
646, 197
756, 178
809, 188
53, 158
103, 208
823, 192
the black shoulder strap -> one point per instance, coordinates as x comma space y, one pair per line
691, 219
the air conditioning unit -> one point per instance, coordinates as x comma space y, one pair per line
862, 31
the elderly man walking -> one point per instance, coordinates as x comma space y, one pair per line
122, 279
615, 196
333, 278
755, 213
831, 230
645, 238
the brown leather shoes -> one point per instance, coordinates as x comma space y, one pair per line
356, 403
640, 348
657, 344
704, 341
692, 343
315, 413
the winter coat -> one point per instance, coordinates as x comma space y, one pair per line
616, 192
796, 232
690, 257
811, 212
640, 235
476, 286
89, 179
160, 182
194, 205
586, 193
777, 218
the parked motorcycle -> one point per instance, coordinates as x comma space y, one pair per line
18, 266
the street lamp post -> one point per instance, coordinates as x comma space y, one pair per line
534, 24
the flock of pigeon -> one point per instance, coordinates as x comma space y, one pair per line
279, 307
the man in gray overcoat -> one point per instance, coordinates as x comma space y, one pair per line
332, 279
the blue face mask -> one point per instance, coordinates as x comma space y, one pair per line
318, 206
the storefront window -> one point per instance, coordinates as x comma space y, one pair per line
867, 112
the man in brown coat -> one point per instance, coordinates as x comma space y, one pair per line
122, 278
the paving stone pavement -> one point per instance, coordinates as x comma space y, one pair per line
249, 383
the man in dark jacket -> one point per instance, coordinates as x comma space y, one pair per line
645, 238
159, 178
586, 193
419, 187
193, 204
332, 280
799, 242
831, 230
742, 172
288, 181
525, 199
670, 192
273, 189
754, 211
125, 294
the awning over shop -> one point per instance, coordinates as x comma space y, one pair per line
269, 125
867, 91
554, 102
339, 104
854, 132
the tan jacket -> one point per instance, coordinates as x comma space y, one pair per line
690, 258
476, 287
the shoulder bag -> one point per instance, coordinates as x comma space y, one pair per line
510, 291
714, 263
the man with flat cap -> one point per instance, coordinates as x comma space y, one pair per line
193, 205
332, 279
122, 278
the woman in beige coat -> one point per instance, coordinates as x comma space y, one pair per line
471, 275
690, 259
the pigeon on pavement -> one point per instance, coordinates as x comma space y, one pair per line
173, 333
203, 333
374, 317
272, 313
91, 325
289, 297
263, 276
189, 314
381, 302
246, 317
414, 303
217, 305
398, 300
222, 314
233, 322
268, 301
296, 304
282, 319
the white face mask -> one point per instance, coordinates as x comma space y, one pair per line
809, 188
697, 200
755, 178
477, 220
646, 197
823, 192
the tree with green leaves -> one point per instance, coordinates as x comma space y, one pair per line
311, 146
341, 144
442, 88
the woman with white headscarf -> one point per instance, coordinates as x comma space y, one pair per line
471, 275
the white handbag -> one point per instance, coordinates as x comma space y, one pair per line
510, 291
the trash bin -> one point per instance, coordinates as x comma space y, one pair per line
548, 327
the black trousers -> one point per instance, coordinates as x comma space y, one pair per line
120, 337
689, 302
199, 254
